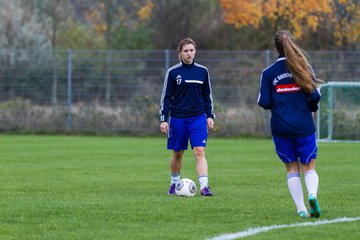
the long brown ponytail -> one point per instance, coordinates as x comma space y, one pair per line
295, 59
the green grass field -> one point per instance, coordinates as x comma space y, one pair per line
72, 187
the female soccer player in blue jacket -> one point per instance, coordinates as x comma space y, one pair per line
288, 89
187, 97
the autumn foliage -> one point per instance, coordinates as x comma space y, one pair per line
296, 15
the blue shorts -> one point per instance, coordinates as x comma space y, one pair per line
183, 129
292, 149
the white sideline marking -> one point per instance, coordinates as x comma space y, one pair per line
256, 230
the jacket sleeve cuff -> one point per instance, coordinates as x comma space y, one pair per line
210, 116
163, 118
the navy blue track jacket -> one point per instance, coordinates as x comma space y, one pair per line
291, 108
186, 92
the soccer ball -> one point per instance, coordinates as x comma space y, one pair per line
185, 187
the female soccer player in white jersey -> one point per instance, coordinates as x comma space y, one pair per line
288, 89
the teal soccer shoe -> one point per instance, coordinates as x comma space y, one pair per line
314, 206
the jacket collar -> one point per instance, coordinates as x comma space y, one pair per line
281, 57
188, 65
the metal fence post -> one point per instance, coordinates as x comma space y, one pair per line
167, 59
267, 116
69, 70
330, 108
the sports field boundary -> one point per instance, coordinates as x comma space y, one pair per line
256, 230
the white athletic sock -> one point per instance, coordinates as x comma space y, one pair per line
175, 177
296, 191
312, 182
203, 181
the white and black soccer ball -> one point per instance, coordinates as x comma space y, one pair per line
185, 187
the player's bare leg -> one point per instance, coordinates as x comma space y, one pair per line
202, 170
176, 161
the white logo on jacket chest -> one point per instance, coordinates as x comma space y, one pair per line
178, 79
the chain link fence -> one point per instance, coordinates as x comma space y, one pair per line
118, 92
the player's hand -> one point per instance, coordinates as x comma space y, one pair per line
164, 127
210, 123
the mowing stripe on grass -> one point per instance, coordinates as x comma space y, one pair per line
256, 230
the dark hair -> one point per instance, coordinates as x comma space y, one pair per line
295, 59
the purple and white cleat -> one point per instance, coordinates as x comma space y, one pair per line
206, 192
172, 189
